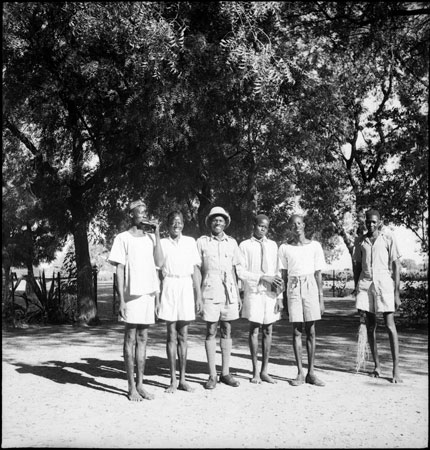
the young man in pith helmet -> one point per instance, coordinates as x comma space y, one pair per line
220, 255
376, 264
136, 253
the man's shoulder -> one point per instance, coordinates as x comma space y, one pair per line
245, 242
188, 239
122, 236
231, 239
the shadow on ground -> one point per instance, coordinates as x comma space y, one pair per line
336, 347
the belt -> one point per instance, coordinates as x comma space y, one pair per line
299, 277
171, 275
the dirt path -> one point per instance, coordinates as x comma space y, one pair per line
65, 387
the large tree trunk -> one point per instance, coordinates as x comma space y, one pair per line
87, 310
205, 198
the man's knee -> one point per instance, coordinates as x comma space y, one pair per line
310, 329
142, 335
390, 323
211, 330
297, 329
267, 331
254, 329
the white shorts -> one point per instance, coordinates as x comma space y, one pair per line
375, 296
139, 309
303, 299
260, 308
177, 300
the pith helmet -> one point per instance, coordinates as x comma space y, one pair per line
218, 211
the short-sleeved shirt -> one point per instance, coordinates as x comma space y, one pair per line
251, 270
219, 256
136, 253
376, 259
301, 260
180, 256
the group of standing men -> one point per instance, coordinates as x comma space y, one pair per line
203, 277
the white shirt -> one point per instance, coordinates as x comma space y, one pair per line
136, 253
251, 270
301, 260
180, 256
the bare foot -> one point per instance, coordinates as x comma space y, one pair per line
298, 381
144, 394
267, 378
172, 388
255, 379
184, 386
376, 373
396, 379
134, 396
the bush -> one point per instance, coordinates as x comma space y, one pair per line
414, 302
413, 276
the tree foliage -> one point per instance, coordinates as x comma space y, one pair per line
255, 106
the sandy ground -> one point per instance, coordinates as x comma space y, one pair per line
66, 387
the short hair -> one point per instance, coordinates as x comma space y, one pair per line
373, 212
296, 215
173, 214
259, 217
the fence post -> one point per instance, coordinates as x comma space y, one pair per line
12, 276
114, 294
334, 275
95, 271
59, 289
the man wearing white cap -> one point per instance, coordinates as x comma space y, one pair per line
135, 253
220, 255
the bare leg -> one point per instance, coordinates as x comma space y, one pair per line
297, 346
394, 344
253, 347
182, 331
141, 341
129, 355
171, 355
266, 344
310, 345
311, 378
371, 336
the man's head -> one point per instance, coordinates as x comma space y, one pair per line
217, 220
373, 221
261, 226
138, 212
175, 223
296, 224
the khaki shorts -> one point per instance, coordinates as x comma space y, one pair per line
140, 309
260, 308
375, 296
213, 312
303, 299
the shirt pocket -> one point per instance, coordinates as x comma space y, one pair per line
208, 289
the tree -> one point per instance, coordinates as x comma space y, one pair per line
70, 83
